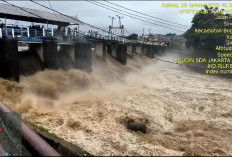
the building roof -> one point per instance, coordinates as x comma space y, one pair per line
32, 15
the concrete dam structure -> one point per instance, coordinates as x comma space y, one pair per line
27, 49
50, 54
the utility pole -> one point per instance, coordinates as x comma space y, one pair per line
112, 25
150, 33
143, 32
119, 19
120, 24
112, 20
143, 35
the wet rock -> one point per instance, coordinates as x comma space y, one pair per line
136, 126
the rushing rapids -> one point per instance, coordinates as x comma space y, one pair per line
186, 113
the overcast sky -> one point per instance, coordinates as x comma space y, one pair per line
98, 16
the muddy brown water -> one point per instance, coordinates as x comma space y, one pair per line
186, 113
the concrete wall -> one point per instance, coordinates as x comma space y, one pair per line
9, 59
156, 49
104, 51
129, 50
51, 55
29, 62
150, 52
66, 56
69, 49
98, 49
138, 49
109, 49
83, 56
121, 55
114, 50
38, 48
118, 51
144, 49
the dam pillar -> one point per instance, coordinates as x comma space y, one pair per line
162, 49
157, 49
150, 51
138, 49
100, 50
114, 48
38, 48
83, 56
130, 50
30, 61
153, 51
9, 59
121, 55
51, 55
67, 57
144, 49
109, 49
133, 49
104, 51
147, 53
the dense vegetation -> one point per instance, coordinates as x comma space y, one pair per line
133, 37
202, 20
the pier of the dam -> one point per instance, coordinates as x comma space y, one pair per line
25, 50
52, 54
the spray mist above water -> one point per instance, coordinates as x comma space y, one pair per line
186, 112
50, 90
44, 90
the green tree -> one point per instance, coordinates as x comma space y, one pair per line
204, 19
171, 34
133, 36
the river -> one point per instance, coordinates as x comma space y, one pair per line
186, 112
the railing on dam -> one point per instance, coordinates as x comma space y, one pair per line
37, 32
18, 32
40, 32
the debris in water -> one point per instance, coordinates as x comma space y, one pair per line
136, 126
